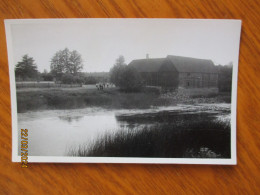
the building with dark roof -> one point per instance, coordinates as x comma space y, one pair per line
177, 72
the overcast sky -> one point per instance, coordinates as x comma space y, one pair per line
101, 41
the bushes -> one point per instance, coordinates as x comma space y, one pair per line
126, 78
46, 76
67, 79
130, 80
225, 78
71, 79
88, 80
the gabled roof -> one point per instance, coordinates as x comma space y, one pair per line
147, 65
187, 64
182, 64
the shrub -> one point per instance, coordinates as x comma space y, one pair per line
70, 79
116, 74
126, 78
90, 80
67, 79
78, 79
131, 80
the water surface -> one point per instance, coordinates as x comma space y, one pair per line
55, 132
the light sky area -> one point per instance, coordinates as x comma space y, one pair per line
101, 41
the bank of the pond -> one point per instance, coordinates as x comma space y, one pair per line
59, 98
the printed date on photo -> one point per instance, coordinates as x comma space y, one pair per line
24, 148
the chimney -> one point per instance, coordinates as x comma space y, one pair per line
147, 56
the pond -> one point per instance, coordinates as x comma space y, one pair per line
58, 132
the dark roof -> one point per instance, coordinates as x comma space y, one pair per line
147, 65
182, 64
187, 64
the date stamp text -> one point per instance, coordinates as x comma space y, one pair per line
24, 148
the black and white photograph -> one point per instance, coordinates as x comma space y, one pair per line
124, 90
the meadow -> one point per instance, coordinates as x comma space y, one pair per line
34, 99
72, 98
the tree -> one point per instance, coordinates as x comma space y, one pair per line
65, 61
116, 71
67, 79
120, 60
75, 64
46, 76
225, 77
57, 65
125, 77
26, 69
130, 79
90, 80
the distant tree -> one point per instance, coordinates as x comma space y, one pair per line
75, 64
72, 79
58, 65
120, 60
130, 79
116, 71
78, 79
225, 77
46, 76
90, 80
67, 79
65, 61
26, 69
125, 77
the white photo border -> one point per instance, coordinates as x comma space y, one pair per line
55, 159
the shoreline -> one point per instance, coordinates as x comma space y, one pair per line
110, 98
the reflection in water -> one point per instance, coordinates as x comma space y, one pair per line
70, 119
52, 136
55, 132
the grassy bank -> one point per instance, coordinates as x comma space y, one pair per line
197, 138
29, 100
32, 99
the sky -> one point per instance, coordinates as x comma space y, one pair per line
101, 41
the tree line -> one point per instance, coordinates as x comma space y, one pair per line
65, 66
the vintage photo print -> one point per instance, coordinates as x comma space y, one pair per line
123, 90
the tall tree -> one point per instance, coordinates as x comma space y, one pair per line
125, 77
116, 70
225, 77
120, 60
26, 69
65, 61
75, 64
57, 65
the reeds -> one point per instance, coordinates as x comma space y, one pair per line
183, 139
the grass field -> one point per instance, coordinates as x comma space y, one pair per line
44, 84
32, 99
71, 98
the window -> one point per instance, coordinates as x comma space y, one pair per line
188, 74
188, 84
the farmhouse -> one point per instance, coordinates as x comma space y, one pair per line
177, 72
